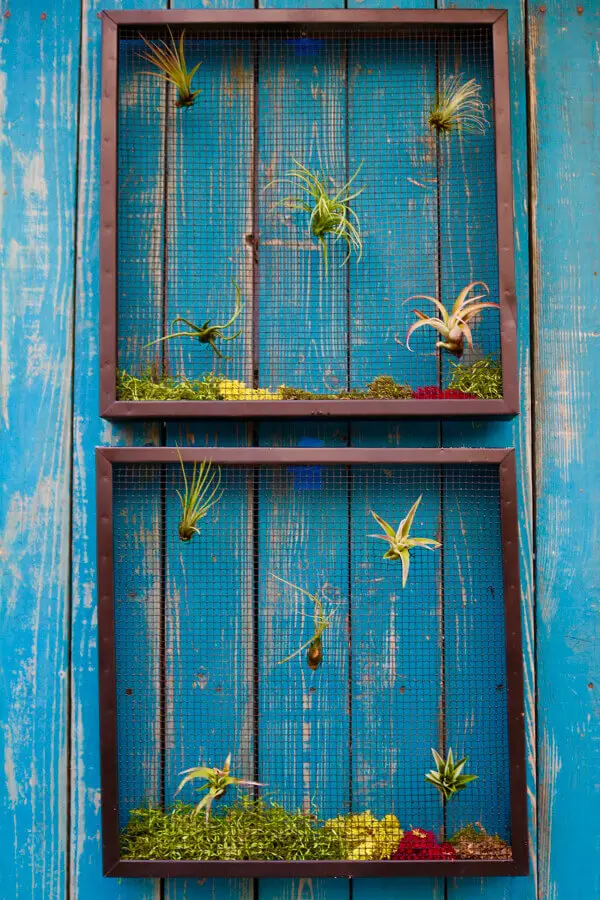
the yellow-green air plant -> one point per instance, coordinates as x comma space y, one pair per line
321, 622
447, 777
453, 327
200, 495
329, 213
399, 540
217, 781
458, 107
207, 333
170, 61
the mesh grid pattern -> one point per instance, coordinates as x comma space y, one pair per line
201, 629
195, 212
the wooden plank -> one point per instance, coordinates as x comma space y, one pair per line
564, 94
301, 116
140, 201
234, 259
88, 431
518, 434
389, 90
37, 194
474, 645
423, 434
209, 206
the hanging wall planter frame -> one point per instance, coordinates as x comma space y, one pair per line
321, 329
161, 597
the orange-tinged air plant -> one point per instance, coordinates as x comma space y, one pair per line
454, 327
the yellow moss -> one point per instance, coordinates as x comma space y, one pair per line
365, 837
238, 390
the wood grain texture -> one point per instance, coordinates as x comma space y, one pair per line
48, 699
566, 267
39, 60
85, 872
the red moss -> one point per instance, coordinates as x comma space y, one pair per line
417, 844
431, 392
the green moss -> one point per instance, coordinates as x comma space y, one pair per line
481, 379
473, 842
381, 388
250, 829
149, 387
385, 388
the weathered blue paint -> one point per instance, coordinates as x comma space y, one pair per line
49, 661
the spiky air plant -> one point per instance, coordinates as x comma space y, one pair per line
458, 107
447, 777
217, 781
454, 327
207, 333
170, 61
201, 493
321, 622
329, 214
400, 542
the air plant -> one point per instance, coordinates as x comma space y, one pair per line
217, 781
447, 777
458, 107
328, 214
170, 60
454, 327
314, 654
400, 542
199, 496
207, 333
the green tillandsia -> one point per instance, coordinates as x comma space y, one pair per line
328, 214
458, 107
321, 622
454, 327
170, 60
217, 781
201, 494
447, 777
400, 542
207, 333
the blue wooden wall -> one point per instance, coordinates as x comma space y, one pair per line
49, 226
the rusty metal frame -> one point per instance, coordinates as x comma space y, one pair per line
248, 456
111, 408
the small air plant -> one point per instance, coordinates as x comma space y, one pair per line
217, 781
328, 214
458, 107
447, 777
207, 333
400, 541
201, 493
454, 327
314, 653
170, 60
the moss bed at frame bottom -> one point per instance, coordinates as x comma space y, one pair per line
481, 380
258, 830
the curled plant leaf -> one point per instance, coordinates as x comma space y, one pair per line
399, 540
199, 496
207, 333
328, 214
453, 327
447, 777
217, 781
321, 622
458, 107
170, 61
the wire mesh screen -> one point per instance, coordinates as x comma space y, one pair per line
208, 213
280, 636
